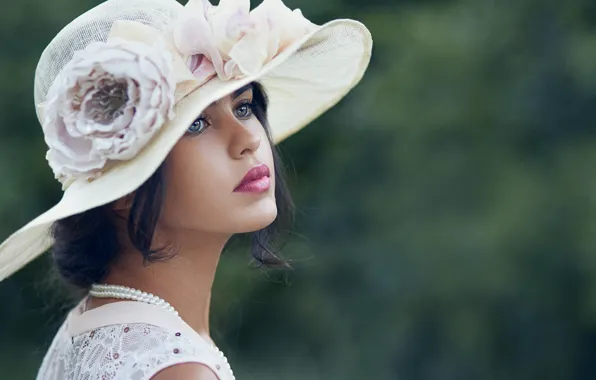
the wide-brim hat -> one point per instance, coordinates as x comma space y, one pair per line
303, 78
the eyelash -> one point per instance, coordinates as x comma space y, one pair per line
251, 108
246, 103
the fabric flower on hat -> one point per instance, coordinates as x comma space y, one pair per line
279, 26
193, 38
106, 104
230, 41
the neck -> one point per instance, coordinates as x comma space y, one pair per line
185, 280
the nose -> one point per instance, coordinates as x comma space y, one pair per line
244, 141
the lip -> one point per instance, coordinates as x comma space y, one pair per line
256, 180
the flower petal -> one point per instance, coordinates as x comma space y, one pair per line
105, 104
229, 22
291, 25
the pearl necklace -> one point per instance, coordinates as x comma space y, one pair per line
126, 293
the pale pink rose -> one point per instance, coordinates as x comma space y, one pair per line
106, 104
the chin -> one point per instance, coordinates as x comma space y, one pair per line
257, 216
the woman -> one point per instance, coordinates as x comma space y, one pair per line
160, 130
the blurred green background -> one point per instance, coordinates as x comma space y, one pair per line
447, 224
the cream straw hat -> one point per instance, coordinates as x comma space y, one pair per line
119, 85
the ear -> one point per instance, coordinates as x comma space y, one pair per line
123, 204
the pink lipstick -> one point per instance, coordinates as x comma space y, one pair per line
257, 180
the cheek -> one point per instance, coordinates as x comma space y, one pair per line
197, 180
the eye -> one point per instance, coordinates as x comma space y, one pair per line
244, 110
198, 126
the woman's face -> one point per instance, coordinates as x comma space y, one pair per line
204, 172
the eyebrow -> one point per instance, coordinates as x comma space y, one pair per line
241, 90
237, 93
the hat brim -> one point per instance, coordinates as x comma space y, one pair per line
302, 82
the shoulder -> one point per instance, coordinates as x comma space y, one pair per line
186, 371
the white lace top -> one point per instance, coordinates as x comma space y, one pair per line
125, 340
